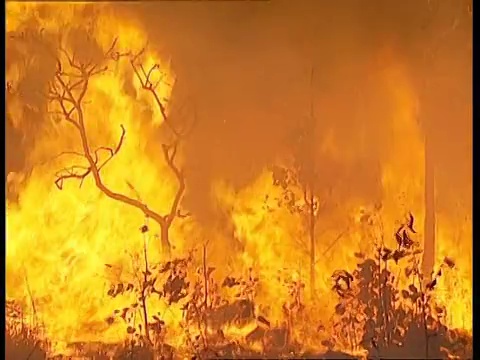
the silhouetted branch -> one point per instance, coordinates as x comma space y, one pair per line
112, 152
72, 172
169, 153
62, 93
145, 79
147, 84
69, 95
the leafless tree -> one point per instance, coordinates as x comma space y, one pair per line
303, 175
68, 90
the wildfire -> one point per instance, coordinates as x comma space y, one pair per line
75, 232
65, 248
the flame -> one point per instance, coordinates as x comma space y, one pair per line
64, 247
58, 242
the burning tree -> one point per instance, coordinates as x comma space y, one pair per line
68, 90
303, 175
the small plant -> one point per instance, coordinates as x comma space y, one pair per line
206, 311
149, 333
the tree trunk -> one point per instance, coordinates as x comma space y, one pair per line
164, 240
312, 245
429, 223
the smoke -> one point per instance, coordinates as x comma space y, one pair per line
244, 68
248, 66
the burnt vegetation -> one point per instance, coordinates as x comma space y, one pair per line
389, 314
376, 313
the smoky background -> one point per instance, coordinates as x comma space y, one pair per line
245, 67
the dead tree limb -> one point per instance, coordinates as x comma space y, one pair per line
68, 90
169, 151
145, 78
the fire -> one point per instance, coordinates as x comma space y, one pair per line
65, 248
75, 232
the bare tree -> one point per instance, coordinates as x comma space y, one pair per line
68, 90
307, 170
303, 175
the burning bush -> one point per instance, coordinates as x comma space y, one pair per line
375, 313
388, 314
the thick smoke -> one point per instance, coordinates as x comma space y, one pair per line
247, 65
245, 69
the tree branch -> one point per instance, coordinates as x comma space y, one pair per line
149, 86
71, 173
111, 151
169, 153
145, 79
68, 89
63, 93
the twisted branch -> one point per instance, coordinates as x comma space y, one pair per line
69, 97
68, 90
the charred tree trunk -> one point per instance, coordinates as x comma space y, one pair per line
429, 222
312, 245
164, 240
311, 180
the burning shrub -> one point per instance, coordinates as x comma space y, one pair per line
375, 313
386, 307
